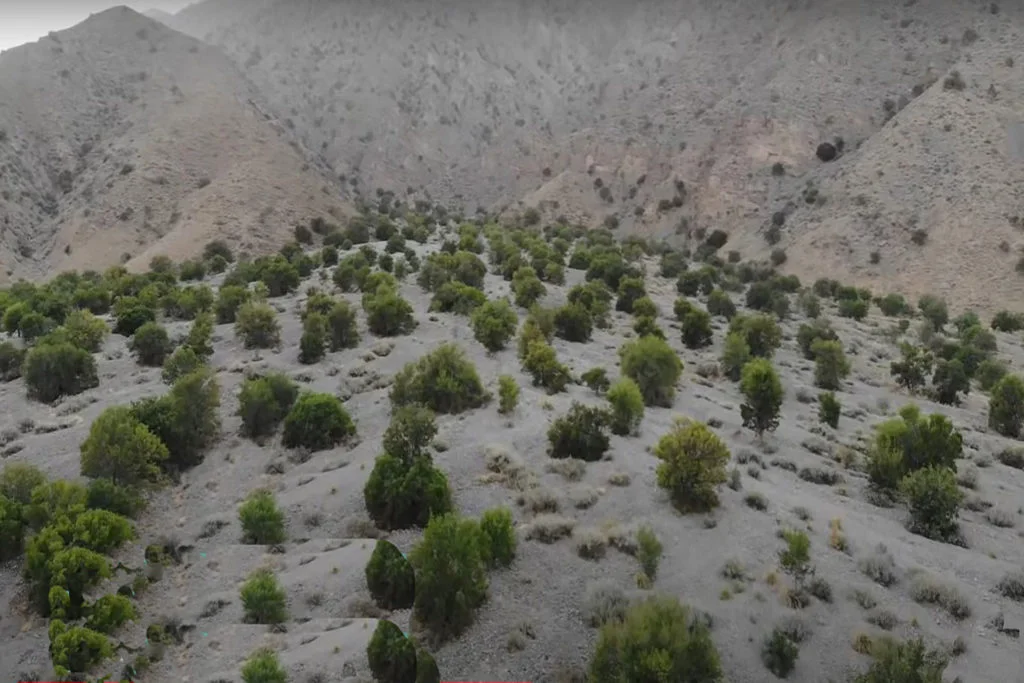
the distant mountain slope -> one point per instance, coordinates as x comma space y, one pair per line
603, 109
121, 139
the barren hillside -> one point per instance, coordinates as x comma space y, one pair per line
122, 139
598, 109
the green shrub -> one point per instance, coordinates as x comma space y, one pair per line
391, 655
186, 419
908, 662
763, 393
761, 333
647, 327
779, 653
388, 314
911, 442
390, 577
720, 304
279, 275
829, 409
508, 394
12, 528
949, 381
84, 330
264, 402
53, 500
52, 371
630, 290
911, 371
229, 299
150, 344
579, 434
830, 364
131, 315
11, 359
17, 480
457, 297
262, 521
200, 335
693, 461
444, 380
263, 598
542, 363
313, 344
497, 537
627, 407
76, 649
527, 287
410, 432
696, 329
807, 335
735, 355
648, 551
857, 309
100, 531
76, 570
399, 495
574, 323
658, 640
934, 501
1006, 407
329, 255
654, 366
256, 324
104, 494
494, 323
109, 613
317, 422
122, 449
450, 579
644, 307
597, 380
180, 363
934, 310
1005, 321
595, 297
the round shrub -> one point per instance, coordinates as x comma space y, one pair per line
444, 380
400, 495
579, 434
497, 537
104, 494
644, 307
180, 363
735, 355
17, 480
720, 304
527, 287
451, 582
693, 465
109, 613
934, 501
56, 370
317, 422
989, 372
344, 332
263, 666
391, 655
390, 577
229, 299
761, 333
807, 335
658, 640
264, 402
949, 381
1006, 406
388, 314
830, 364
763, 393
696, 329
263, 598
457, 297
574, 323
630, 290
122, 449
150, 344
627, 407
410, 432
541, 361
494, 323
262, 521
654, 366
313, 343
256, 324
131, 316
74, 649
84, 330
934, 310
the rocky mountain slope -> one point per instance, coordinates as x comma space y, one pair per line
121, 139
668, 117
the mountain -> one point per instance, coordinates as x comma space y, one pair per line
667, 118
121, 139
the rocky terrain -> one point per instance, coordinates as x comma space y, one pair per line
670, 117
535, 624
121, 139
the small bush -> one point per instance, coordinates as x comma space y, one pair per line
579, 434
77, 648
150, 345
693, 466
909, 662
934, 500
541, 362
388, 314
444, 380
497, 537
264, 402
657, 639
256, 325
317, 422
779, 653
11, 359
508, 394
761, 333
654, 366
911, 371
262, 521
230, 299
450, 579
1006, 407
122, 449
104, 494
763, 393
52, 371
696, 329
17, 480
130, 316
829, 409
830, 364
928, 591
391, 655
180, 363
494, 323
603, 603
457, 297
934, 310
989, 372
631, 289
527, 287
648, 551
573, 322
1005, 321
1012, 586
341, 320
109, 613
720, 304
84, 330
263, 598
735, 355
399, 495
597, 380
410, 432
627, 407
390, 577
856, 309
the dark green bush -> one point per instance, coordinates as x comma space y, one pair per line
654, 366
186, 419
949, 381
150, 344
934, 501
103, 494
989, 372
807, 334
1005, 321
527, 287
313, 344
262, 521
109, 613
263, 598
829, 409
122, 449
573, 322
693, 465
410, 432
256, 324
1006, 407
761, 333
17, 480
130, 316
264, 402
388, 314
830, 364
627, 407
12, 528
630, 290
11, 359
391, 655
541, 361
494, 323
779, 653
444, 380
457, 297
279, 275
451, 582
229, 299
76, 649
56, 370
399, 494
595, 297
390, 577
579, 434
857, 309
658, 640
180, 363
497, 537
912, 442
763, 395
696, 329
84, 330
317, 422
508, 394
719, 303
934, 310
596, 379
911, 371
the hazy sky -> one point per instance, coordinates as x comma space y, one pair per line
25, 21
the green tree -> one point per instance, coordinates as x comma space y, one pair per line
735, 355
229, 299
693, 461
263, 598
122, 449
317, 422
631, 289
52, 371
829, 409
256, 325
388, 314
264, 402
573, 322
85, 330
400, 495
911, 371
830, 364
313, 343
579, 434
696, 329
934, 501
761, 333
934, 310
342, 322
627, 407
654, 366
444, 380
763, 393
497, 537
150, 344
390, 577
508, 394
391, 655
949, 381
180, 363
410, 432
262, 521
494, 323
1006, 407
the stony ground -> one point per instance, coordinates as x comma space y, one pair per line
533, 625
